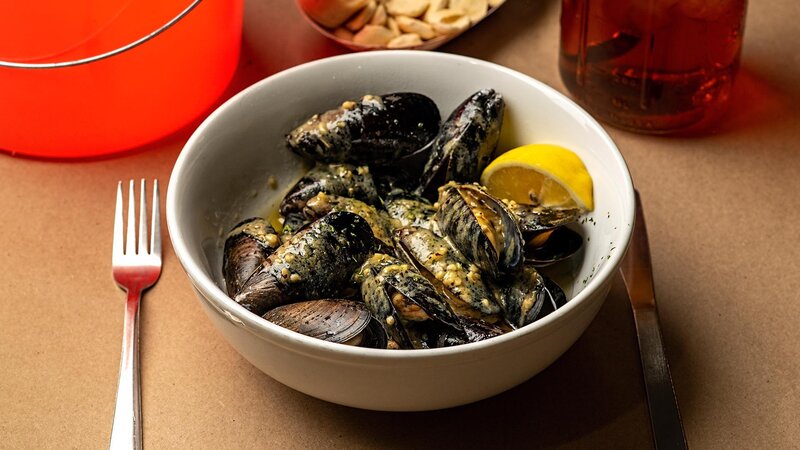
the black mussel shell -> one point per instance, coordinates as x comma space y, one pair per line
552, 246
293, 223
247, 246
405, 302
466, 142
480, 330
403, 173
374, 130
555, 298
529, 296
333, 320
480, 227
317, 262
537, 218
460, 282
336, 179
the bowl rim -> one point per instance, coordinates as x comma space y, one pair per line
265, 330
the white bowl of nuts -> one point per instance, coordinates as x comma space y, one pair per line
395, 24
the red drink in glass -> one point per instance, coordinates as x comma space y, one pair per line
654, 66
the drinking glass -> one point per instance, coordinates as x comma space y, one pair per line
84, 78
651, 66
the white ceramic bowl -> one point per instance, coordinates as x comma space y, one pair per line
221, 177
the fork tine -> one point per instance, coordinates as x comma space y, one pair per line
142, 219
118, 242
130, 239
155, 238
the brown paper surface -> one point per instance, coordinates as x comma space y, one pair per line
722, 215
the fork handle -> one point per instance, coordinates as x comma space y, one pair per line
126, 432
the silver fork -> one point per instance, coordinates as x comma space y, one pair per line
134, 269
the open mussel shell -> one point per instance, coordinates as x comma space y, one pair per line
448, 270
538, 218
529, 296
246, 248
407, 305
333, 320
552, 246
373, 130
457, 281
317, 262
465, 144
481, 227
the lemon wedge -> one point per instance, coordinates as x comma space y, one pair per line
540, 173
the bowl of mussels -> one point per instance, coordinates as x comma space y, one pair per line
334, 222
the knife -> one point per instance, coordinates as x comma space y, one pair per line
637, 273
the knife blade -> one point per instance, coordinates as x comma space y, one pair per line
637, 273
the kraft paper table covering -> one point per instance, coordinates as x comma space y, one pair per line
723, 218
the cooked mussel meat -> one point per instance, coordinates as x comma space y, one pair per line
374, 130
529, 296
247, 246
407, 305
465, 144
333, 320
480, 227
322, 204
338, 242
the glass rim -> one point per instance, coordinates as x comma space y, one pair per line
108, 54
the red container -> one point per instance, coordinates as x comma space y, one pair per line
83, 78
654, 66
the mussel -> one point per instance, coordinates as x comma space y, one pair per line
322, 204
335, 179
465, 144
334, 320
374, 130
459, 282
538, 218
547, 238
314, 263
480, 227
407, 305
528, 297
247, 246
